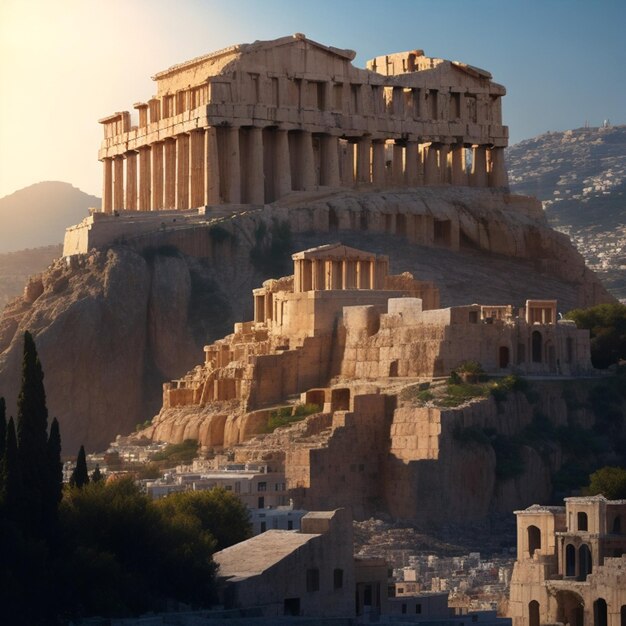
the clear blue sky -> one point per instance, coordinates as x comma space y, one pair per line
66, 63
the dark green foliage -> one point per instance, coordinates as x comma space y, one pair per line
80, 475
501, 389
125, 555
509, 461
273, 246
607, 326
3, 427
96, 475
11, 476
54, 490
32, 435
220, 513
288, 414
176, 453
608, 481
461, 393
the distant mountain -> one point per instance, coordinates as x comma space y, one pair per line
38, 215
580, 175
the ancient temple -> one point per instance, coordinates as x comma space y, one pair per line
251, 123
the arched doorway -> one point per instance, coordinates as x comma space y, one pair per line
534, 539
570, 608
584, 562
537, 340
503, 357
570, 560
622, 621
599, 612
533, 613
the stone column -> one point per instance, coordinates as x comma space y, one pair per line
431, 165
131, 181
211, 168
330, 161
373, 274
307, 160
499, 176
282, 163
196, 168
479, 167
347, 165
156, 172
412, 179
363, 147
444, 176
233, 166
378, 162
169, 177
118, 183
397, 164
144, 178
255, 179
107, 185
182, 172
459, 172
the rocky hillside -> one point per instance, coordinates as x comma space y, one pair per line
113, 325
16, 267
38, 215
580, 175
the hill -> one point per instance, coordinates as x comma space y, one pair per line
580, 176
38, 215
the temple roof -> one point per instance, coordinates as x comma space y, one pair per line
336, 251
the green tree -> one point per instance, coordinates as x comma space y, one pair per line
608, 481
54, 490
607, 326
11, 475
219, 512
80, 475
32, 436
96, 475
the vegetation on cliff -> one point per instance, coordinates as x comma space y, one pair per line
607, 326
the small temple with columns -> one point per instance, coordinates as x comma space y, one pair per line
251, 123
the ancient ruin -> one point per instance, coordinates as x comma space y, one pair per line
252, 122
571, 564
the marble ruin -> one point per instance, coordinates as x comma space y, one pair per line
253, 122
571, 564
342, 315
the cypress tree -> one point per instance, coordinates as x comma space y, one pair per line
3, 426
11, 474
80, 476
32, 436
54, 490
96, 475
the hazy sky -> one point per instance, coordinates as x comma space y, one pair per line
66, 63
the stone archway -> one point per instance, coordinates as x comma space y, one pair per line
533, 613
537, 344
534, 539
570, 608
600, 612
584, 561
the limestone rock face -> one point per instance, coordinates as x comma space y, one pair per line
112, 325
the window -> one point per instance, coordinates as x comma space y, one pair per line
261, 502
279, 487
338, 579
418, 608
263, 527
473, 317
582, 521
262, 486
313, 579
403, 608
289, 525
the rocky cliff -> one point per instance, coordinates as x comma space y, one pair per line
112, 325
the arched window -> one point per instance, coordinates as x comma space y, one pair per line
570, 560
622, 621
533, 613
584, 561
582, 521
536, 346
617, 525
599, 612
534, 539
